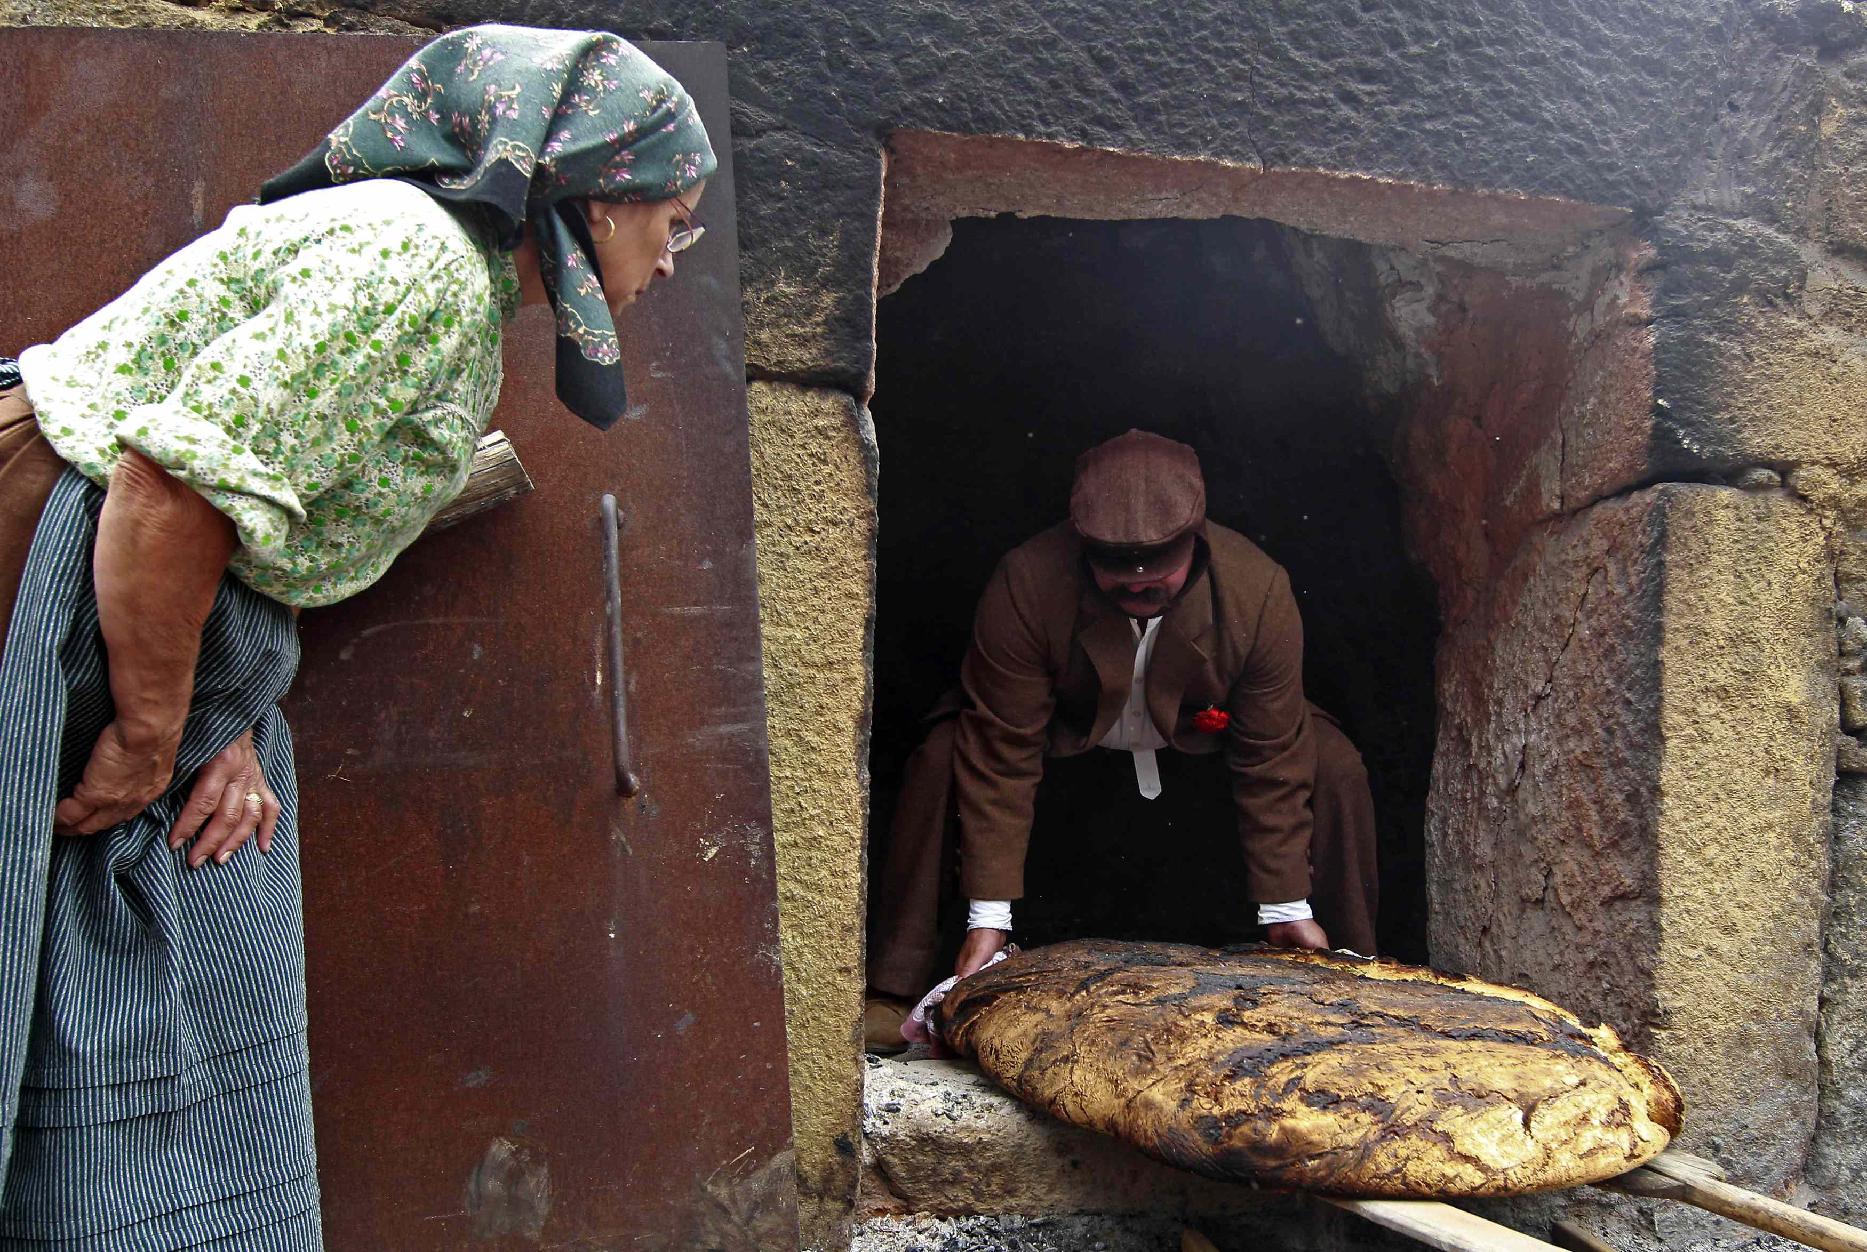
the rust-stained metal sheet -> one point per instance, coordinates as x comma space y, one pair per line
542, 1013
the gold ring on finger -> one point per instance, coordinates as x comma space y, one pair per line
253, 799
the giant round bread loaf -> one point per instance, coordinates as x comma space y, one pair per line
1314, 1071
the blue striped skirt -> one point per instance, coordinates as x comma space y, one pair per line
154, 1086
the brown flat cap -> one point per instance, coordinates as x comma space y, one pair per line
1137, 501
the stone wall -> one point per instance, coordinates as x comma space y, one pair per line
1703, 155
813, 471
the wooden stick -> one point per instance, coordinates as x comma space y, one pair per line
496, 477
1692, 1180
1441, 1226
1566, 1234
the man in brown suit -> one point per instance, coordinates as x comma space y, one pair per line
1136, 628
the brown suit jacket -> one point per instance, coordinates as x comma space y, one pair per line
1049, 669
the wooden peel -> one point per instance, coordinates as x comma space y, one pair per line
496, 477
1675, 1175
1441, 1225
1566, 1234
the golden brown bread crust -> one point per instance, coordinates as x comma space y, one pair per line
1314, 1071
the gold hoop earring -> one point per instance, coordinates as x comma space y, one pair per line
609, 222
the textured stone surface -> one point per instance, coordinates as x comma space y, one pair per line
1532, 402
1747, 716
943, 1140
1610, 103
1854, 702
813, 496
1838, 1166
303, 15
1594, 100
1759, 349
953, 1164
1312, 1232
1074, 1233
1647, 693
1841, 164
934, 178
807, 230
1540, 835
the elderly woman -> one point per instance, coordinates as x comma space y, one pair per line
262, 422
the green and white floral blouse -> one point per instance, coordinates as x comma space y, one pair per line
319, 369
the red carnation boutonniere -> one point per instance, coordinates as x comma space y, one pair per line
1211, 720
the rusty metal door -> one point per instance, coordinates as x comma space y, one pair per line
542, 1014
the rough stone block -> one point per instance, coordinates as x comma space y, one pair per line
1600, 100
922, 1233
1851, 636
813, 459
809, 220
1854, 703
1838, 1165
1542, 822
1760, 353
1747, 717
1533, 405
301, 15
1841, 158
1636, 730
945, 1141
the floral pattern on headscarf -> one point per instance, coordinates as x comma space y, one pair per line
524, 121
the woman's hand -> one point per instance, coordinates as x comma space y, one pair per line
231, 795
129, 769
156, 565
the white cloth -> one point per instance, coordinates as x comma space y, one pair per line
1134, 732
988, 915
917, 1029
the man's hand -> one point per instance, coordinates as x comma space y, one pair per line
1303, 934
231, 795
128, 770
981, 946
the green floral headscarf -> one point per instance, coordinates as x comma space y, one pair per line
524, 121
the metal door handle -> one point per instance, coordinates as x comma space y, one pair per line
626, 782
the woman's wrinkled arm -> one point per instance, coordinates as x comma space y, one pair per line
161, 550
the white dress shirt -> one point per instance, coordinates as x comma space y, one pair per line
1134, 732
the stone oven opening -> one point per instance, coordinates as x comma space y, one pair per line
1031, 339
1413, 398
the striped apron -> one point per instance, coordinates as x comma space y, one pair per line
154, 1090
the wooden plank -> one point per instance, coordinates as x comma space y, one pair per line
1566, 1234
496, 476
1689, 1168
1441, 1225
1689, 1182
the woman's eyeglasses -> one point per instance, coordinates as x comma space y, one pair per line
687, 234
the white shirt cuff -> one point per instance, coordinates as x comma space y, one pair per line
988, 915
1271, 914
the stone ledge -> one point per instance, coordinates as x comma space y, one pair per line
939, 1138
